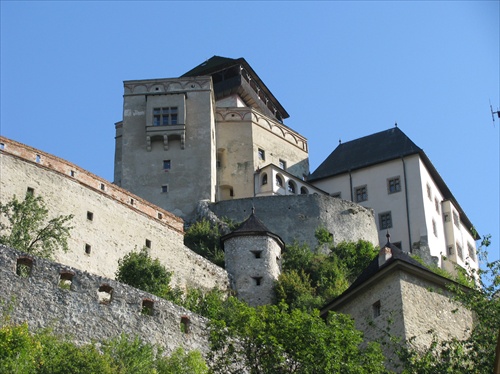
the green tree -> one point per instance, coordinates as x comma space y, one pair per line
274, 339
26, 227
475, 354
139, 270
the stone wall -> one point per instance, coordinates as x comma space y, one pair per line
108, 222
39, 300
297, 217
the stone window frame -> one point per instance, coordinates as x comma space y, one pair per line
66, 279
165, 116
385, 220
262, 154
361, 193
394, 185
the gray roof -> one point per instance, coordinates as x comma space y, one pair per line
378, 148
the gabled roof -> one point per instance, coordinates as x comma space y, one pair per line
375, 149
370, 150
218, 66
252, 226
372, 273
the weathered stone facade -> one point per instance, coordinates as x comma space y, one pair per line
108, 222
297, 217
80, 313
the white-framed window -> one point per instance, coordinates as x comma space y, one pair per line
393, 185
361, 193
385, 220
165, 116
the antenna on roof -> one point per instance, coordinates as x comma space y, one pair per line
493, 113
396, 124
340, 141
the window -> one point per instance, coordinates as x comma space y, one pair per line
450, 250
164, 188
376, 309
166, 165
66, 279
279, 181
385, 220
361, 194
24, 266
264, 179
434, 228
446, 217
282, 164
429, 193
303, 191
132, 201
104, 294
160, 216
147, 307
90, 216
72, 173
456, 219
185, 322
459, 251
231, 192
262, 154
436, 204
102, 186
30, 191
291, 187
38, 158
165, 116
88, 248
258, 280
2, 146
472, 251
257, 253
148, 243
393, 185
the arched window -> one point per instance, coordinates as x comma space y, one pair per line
264, 179
303, 191
279, 181
291, 187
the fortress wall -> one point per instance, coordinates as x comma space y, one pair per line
297, 217
118, 225
41, 302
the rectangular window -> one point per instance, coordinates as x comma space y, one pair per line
262, 154
434, 228
90, 216
103, 187
394, 185
283, 164
436, 204
30, 191
472, 251
361, 194
72, 173
450, 250
38, 158
164, 188
88, 248
456, 219
160, 216
429, 193
166, 165
446, 217
459, 251
132, 201
165, 116
148, 243
385, 220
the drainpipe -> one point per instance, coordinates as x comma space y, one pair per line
407, 204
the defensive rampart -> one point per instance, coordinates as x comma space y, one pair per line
89, 307
298, 217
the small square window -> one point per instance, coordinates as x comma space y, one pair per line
160, 216
90, 216
164, 188
262, 154
376, 309
258, 280
30, 191
148, 243
394, 185
88, 248
166, 165
385, 220
283, 164
361, 194
257, 253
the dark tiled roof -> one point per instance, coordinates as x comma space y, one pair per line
378, 148
213, 64
252, 226
369, 150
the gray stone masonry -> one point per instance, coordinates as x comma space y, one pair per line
298, 217
40, 301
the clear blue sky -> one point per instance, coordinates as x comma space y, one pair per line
342, 70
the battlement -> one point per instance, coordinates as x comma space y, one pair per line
89, 307
92, 181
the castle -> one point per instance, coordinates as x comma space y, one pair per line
213, 143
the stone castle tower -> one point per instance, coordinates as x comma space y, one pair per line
253, 261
